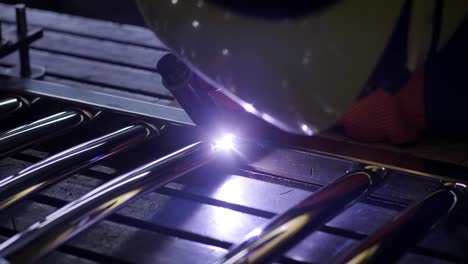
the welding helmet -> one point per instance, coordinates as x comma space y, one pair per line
296, 64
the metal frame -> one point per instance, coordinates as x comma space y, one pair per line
265, 245
18, 138
96, 99
38, 176
392, 240
317, 145
68, 221
20, 42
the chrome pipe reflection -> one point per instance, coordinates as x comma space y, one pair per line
11, 105
65, 223
391, 241
18, 138
37, 176
264, 245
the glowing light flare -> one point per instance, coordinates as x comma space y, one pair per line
226, 142
249, 108
229, 144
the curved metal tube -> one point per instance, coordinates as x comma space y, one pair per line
18, 138
264, 245
391, 241
65, 223
10, 105
37, 176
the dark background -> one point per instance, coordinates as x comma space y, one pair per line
122, 11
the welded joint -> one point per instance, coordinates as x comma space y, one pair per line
28, 100
86, 115
151, 129
24, 102
376, 173
458, 189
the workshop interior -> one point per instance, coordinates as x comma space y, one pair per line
212, 131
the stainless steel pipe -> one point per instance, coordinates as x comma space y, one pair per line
10, 105
392, 240
264, 245
37, 176
82, 213
23, 136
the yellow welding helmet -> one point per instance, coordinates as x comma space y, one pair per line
296, 64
